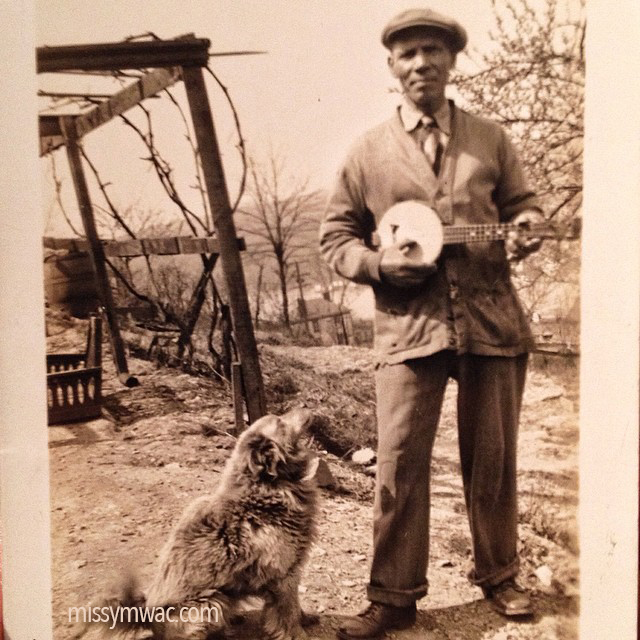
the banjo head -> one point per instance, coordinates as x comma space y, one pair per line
415, 221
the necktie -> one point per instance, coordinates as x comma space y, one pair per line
432, 145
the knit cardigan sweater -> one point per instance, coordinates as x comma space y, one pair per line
469, 303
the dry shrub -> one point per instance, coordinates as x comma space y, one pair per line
545, 523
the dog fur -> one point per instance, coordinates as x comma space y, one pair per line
249, 538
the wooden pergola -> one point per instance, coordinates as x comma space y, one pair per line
167, 62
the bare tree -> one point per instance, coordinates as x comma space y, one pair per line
279, 217
333, 286
532, 82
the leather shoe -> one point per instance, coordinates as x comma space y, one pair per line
377, 619
509, 599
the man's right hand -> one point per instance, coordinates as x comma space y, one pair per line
400, 270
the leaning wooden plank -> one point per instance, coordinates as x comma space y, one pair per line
149, 85
96, 251
218, 197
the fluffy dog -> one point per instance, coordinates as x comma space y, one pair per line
249, 538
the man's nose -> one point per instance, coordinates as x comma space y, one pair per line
421, 59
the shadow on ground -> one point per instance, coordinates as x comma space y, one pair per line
469, 621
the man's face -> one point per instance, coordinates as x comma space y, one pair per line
421, 61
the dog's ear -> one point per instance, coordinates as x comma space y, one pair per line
264, 457
298, 419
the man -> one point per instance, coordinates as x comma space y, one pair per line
458, 318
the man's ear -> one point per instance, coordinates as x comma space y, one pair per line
391, 65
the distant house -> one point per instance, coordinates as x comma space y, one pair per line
558, 331
324, 319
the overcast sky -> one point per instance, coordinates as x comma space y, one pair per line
323, 80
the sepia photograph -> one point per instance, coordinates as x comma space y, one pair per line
307, 325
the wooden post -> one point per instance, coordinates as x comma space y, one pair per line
230, 256
303, 302
94, 342
238, 404
96, 250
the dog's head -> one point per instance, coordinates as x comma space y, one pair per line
273, 448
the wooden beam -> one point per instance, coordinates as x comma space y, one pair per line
49, 126
225, 229
143, 246
65, 244
114, 56
50, 134
149, 85
88, 96
163, 246
124, 249
96, 251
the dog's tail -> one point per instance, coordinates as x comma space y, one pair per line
122, 613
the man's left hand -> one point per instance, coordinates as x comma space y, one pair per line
518, 243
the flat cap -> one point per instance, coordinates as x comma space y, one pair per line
412, 18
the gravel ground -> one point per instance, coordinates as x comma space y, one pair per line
119, 483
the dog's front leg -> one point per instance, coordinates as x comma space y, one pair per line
282, 614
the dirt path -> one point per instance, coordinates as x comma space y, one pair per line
118, 484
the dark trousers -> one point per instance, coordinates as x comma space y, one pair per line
409, 401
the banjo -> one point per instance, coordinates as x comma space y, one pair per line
414, 221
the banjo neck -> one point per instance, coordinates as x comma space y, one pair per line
464, 234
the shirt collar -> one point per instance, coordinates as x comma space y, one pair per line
411, 116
